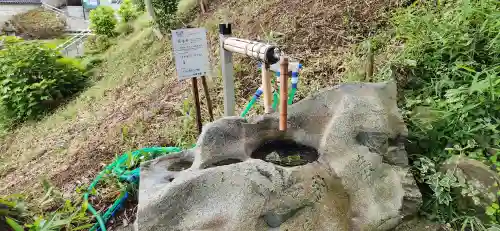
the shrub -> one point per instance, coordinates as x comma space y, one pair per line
451, 55
127, 11
103, 21
97, 44
165, 13
35, 79
139, 5
6, 41
124, 28
39, 24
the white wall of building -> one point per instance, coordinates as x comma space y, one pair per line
54, 3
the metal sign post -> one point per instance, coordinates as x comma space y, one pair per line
226, 60
191, 61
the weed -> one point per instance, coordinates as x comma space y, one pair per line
184, 134
445, 57
186, 6
124, 28
96, 44
64, 214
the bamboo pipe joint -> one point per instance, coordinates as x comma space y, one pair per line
264, 52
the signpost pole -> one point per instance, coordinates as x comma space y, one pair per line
196, 97
227, 71
207, 95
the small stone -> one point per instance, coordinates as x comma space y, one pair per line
478, 175
273, 157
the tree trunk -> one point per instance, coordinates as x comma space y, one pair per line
151, 13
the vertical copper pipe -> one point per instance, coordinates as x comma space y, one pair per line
283, 92
194, 89
207, 95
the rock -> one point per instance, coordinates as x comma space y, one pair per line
356, 179
480, 177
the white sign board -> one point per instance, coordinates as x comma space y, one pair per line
191, 52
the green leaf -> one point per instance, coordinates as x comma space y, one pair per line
493, 159
490, 211
411, 62
13, 224
83, 227
467, 68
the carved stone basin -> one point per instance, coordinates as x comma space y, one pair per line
340, 166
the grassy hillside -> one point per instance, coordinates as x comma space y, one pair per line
133, 86
136, 100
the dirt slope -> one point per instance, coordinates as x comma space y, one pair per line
137, 102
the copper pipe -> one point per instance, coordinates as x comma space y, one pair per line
283, 92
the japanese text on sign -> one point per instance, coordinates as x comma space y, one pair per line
191, 52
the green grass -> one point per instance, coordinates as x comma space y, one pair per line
57, 41
186, 6
446, 60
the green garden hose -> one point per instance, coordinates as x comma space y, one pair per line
119, 169
291, 96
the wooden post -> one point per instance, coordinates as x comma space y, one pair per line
207, 95
266, 88
369, 64
283, 92
194, 89
227, 71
